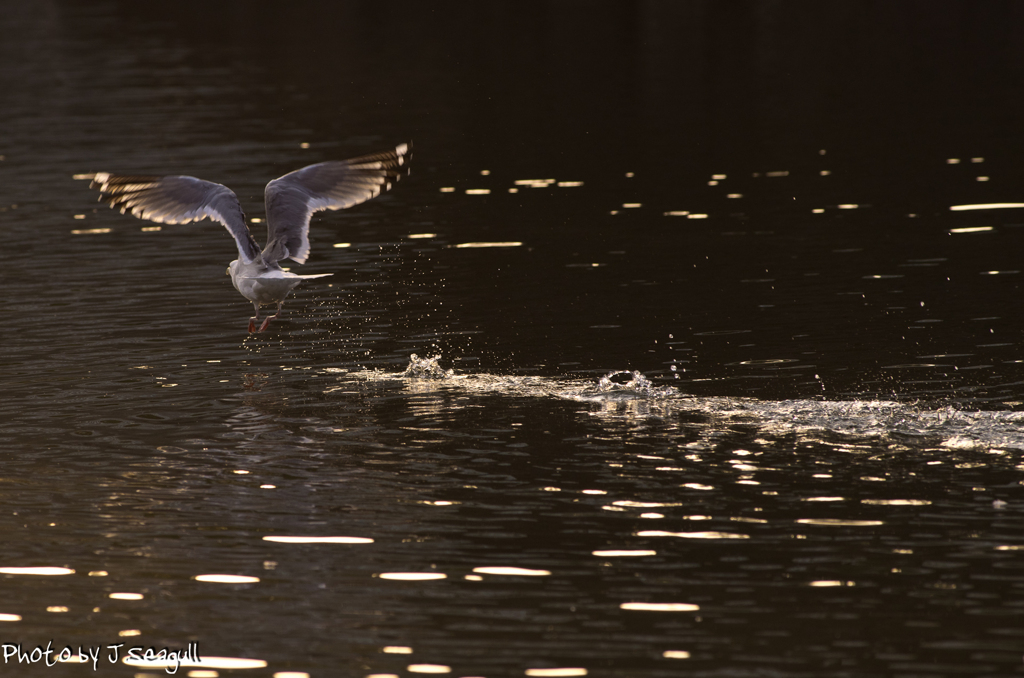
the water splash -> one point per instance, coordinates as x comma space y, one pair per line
426, 368
629, 394
633, 383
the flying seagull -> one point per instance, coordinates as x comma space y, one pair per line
290, 202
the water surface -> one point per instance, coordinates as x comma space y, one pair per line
670, 357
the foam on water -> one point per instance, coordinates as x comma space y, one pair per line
628, 393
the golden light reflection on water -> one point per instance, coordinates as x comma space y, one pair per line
226, 578
428, 668
396, 649
10, 617
972, 229
43, 571
645, 504
556, 673
412, 576
660, 607
693, 535
317, 540
624, 553
512, 571
204, 662
839, 522
480, 245
987, 206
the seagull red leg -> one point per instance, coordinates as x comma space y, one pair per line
271, 317
255, 319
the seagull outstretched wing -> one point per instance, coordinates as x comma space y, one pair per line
292, 199
178, 200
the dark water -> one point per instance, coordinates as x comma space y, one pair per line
740, 395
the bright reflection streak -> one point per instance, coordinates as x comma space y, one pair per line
660, 607
987, 206
396, 649
36, 570
428, 668
839, 522
823, 499
10, 617
619, 554
675, 654
693, 535
896, 502
971, 229
416, 236
676, 213
517, 571
698, 486
478, 191
412, 576
126, 596
569, 184
290, 674
447, 189
645, 504
57, 608
478, 245
557, 672
89, 231
226, 578
204, 662
319, 540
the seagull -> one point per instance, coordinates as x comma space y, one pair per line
290, 201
